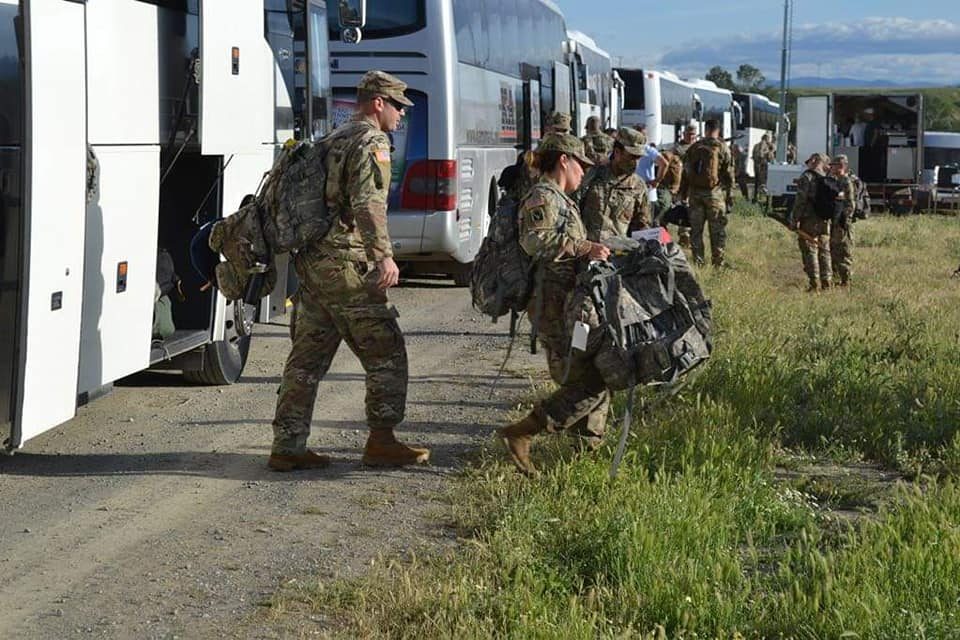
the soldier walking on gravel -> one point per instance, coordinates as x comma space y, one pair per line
343, 290
552, 233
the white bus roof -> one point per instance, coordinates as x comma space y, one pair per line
553, 7
941, 139
583, 39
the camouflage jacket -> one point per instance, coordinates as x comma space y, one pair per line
552, 233
358, 183
763, 152
724, 172
615, 205
849, 197
598, 146
803, 206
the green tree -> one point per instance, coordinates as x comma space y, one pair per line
749, 78
721, 77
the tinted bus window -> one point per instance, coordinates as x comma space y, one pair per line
387, 19
633, 90
11, 93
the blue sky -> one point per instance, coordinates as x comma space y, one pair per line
901, 40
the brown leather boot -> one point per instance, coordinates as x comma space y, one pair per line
308, 460
516, 438
813, 287
383, 450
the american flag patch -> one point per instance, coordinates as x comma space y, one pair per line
383, 156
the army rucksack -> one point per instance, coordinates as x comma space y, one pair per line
825, 203
674, 171
702, 163
501, 277
649, 320
289, 212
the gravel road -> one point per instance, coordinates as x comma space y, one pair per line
152, 514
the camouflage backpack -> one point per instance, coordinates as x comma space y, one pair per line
674, 171
649, 320
288, 213
702, 163
500, 280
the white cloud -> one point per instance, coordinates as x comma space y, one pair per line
897, 49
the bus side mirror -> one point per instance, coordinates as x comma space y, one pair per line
353, 13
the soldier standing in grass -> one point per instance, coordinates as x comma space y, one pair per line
841, 236
343, 290
616, 201
552, 233
680, 148
763, 154
814, 231
708, 184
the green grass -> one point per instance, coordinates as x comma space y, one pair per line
735, 514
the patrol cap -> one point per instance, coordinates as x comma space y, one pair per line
632, 141
840, 159
816, 157
690, 128
379, 83
560, 122
565, 143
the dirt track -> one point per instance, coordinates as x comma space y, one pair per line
152, 514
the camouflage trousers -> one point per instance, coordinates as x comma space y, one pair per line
582, 401
708, 209
338, 302
841, 251
759, 180
815, 248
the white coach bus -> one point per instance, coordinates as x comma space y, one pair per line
660, 100
710, 102
599, 89
758, 116
481, 75
182, 104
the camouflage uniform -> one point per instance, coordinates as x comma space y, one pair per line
616, 201
552, 232
559, 122
763, 153
740, 166
814, 236
598, 147
683, 233
841, 236
339, 299
709, 206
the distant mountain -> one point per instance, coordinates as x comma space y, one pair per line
837, 83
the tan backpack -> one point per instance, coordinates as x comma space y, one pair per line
702, 165
673, 174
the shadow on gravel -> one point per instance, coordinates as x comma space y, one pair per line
155, 379
411, 428
231, 466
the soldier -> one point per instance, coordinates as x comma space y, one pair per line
552, 233
841, 236
708, 183
616, 201
559, 123
596, 143
668, 183
813, 231
763, 154
343, 290
680, 148
791, 153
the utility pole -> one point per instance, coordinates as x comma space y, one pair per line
784, 72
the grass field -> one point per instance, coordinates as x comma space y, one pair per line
803, 485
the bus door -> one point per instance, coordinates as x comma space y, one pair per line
530, 117
54, 204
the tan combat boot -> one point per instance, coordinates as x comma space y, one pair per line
813, 287
516, 438
308, 460
383, 450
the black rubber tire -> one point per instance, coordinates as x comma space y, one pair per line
224, 360
462, 278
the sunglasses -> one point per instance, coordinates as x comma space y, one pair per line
396, 105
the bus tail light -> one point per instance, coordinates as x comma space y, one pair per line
430, 185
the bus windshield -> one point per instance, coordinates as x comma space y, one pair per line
387, 19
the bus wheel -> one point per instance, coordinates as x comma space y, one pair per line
461, 277
223, 361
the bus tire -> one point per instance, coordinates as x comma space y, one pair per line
461, 278
223, 360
